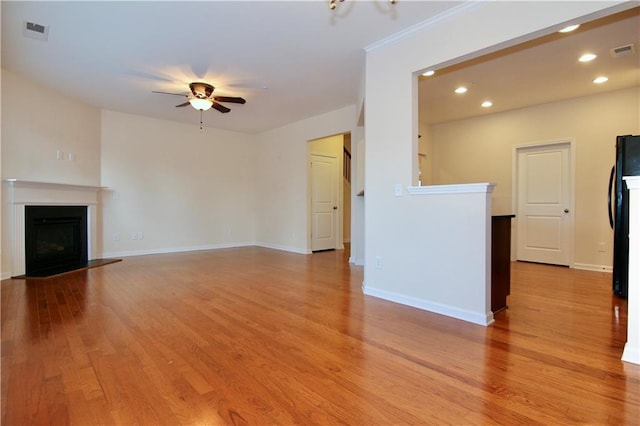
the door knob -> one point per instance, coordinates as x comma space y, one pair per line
335, 207
566, 210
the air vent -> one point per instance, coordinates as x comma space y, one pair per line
37, 31
627, 49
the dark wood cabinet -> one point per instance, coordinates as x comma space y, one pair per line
500, 261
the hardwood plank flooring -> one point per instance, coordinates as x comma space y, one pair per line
252, 336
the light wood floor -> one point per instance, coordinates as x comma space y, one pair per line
258, 336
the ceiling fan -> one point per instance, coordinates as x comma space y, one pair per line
201, 98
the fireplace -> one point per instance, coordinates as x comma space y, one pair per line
55, 239
23, 195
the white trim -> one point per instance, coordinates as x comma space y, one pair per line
173, 250
283, 248
49, 185
631, 351
633, 182
357, 262
589, 267
467, 188
631, 354
23, 193
5, 276
425, 305
417, 28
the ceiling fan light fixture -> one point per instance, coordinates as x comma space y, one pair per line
201, 104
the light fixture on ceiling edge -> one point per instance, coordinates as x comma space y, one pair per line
334, 3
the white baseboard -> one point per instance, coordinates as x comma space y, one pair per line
357, 262
172, 250
5, 275
631, 354
589, 267
438, 308
283, 248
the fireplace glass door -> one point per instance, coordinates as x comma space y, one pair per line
55, 239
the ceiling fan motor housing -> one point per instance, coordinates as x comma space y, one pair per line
201, 90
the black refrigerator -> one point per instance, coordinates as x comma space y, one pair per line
627, 164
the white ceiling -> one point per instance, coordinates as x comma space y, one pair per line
289, 59
114, 54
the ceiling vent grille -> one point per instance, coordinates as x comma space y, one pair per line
627, 49
37, 31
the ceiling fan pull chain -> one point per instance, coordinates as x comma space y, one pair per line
200, 119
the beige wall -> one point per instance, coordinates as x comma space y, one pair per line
398, 259
481, 149
33, 132
36, 123
282, 179
182, 187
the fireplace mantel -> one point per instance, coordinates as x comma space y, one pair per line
21, 193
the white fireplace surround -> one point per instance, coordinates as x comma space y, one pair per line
23, 193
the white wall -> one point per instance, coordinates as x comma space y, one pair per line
182, 187
632, 346
391, 143
36, 123
480, 149
281, 177
33, 132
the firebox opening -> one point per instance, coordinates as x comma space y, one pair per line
55, 239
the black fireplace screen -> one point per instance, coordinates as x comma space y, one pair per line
55, 239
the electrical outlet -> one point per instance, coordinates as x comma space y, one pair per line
140, 235
115, 236
134, 235
398, 189
59, 154
602, 247
71, 156
378, 262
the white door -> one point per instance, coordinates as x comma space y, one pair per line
544, 194
324, 202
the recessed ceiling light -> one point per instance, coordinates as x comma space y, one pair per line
600, 80
587, 57
460, 90
428, 73
486, 104
569, 29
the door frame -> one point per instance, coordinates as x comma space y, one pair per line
338, 219
318, 150
568, 142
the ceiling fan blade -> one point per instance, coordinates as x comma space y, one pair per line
181, 105
231, 99
219, 107
167, 93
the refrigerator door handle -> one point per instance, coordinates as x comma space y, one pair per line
611, 188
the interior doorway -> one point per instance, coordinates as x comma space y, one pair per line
544, 199
329, 192
324, 202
